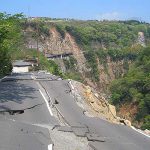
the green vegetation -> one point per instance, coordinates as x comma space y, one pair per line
44, 64
71, 63
92, 63
71, 69
61, 30
135, 87
146, 124
10, 35
74, 76
107, 33
11, 44
99, 39
50, 66
118, 40
37, 25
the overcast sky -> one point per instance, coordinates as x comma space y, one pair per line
80, 9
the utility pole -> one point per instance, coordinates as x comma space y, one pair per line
38, 52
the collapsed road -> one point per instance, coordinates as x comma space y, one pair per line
32, 105
21, 108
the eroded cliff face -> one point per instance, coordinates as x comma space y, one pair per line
56, 44
111, 71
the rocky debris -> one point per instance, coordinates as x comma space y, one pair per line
99, 104
147, 132
112, 109
128, 111
124, 121
94, 104
127, 123
75, 88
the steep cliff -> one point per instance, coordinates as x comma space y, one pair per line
98, 60
55, 44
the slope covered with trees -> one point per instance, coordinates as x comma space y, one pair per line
98, 39
134, 88
102, 39
10, 33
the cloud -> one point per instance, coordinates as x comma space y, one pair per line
108, 16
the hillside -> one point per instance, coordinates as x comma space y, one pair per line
132, 95
102, 52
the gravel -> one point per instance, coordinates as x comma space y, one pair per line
68, 141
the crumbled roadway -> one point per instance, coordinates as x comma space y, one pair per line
26, 122
20, 136
22, 114
100, 133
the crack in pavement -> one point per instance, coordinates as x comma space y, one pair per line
59, 116
19, 111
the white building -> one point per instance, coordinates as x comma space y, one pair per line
20, 66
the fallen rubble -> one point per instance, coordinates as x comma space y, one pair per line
94, 104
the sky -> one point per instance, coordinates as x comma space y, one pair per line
80, 9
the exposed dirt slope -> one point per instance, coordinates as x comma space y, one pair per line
94, 104
110, 71
57, 45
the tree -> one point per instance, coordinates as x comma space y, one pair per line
10, 33
135, 87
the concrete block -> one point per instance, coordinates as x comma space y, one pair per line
95, 137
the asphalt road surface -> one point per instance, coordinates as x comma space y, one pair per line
24, 109
101, 134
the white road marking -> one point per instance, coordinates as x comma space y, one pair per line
50, 111
50, 147
3, 78
140, 131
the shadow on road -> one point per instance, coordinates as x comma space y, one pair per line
16, 91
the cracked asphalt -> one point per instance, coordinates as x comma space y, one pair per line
37, 110
21, 108
25, 119
99, 133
